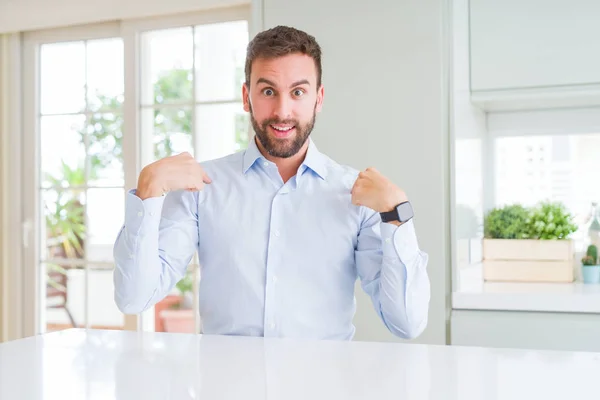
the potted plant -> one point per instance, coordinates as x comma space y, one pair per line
178, 316
590, 266
529, 244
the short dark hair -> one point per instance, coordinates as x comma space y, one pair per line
280, 41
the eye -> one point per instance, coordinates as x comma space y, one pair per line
268, 92
298, 92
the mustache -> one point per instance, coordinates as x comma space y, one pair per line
273, 121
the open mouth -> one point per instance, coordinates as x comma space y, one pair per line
282, 131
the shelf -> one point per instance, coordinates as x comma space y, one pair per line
475, 294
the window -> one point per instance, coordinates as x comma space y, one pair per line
191, 90
563, 168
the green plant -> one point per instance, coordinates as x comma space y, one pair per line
185, 285
506, 222
591, 257
549, 221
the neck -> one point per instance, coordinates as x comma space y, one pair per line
287, 166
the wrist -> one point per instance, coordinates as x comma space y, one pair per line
148, 184
395, 200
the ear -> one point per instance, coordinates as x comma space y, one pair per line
246, 97
320, 96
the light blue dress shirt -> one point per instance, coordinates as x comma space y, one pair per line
276, 260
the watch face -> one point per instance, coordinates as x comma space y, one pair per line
405, 211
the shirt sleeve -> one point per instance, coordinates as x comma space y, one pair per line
153, 248
393, 272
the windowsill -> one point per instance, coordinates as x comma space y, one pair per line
475, 294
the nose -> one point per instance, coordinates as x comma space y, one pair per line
283, 109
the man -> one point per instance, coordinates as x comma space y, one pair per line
282, 231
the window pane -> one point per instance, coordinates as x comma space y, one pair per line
168, 59
105, 210
62, 70
105, 152
105, 82
64, 213
170, 130
65, 296
103, 312
221, 129
557, 168
62, 150
220, 56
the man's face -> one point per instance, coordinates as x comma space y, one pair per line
283, 101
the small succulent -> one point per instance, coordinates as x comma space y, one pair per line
588, 260
591, 257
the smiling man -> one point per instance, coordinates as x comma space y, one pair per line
282, 231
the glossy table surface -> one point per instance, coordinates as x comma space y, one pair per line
80, 364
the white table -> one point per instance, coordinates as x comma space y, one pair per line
82, 365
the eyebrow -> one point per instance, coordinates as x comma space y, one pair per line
297, 83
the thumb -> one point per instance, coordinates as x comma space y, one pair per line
206, 179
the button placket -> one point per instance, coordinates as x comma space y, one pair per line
273, 251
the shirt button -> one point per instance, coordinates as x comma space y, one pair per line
388, 240
275, 279
266, 164
151, 213
140, 214
276, 233
272, 325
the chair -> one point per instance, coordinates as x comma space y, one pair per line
58, 290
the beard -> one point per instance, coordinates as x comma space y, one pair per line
285, 147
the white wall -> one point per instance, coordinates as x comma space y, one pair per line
386, 106
26, 15
534, 43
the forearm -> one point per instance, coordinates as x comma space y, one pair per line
404, 287
152, 250
138, 267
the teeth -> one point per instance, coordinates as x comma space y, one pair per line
282, 129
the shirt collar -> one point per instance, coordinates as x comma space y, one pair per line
251, 154
315, 160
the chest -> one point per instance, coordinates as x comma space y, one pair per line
246, 217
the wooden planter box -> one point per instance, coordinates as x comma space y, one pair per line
506, 260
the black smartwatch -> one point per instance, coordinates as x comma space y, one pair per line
401, 213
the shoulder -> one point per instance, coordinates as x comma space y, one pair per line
340, 174
226, 164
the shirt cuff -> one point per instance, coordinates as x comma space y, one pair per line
142, 214
401, 240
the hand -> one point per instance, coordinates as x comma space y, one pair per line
180, 172
375, 191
